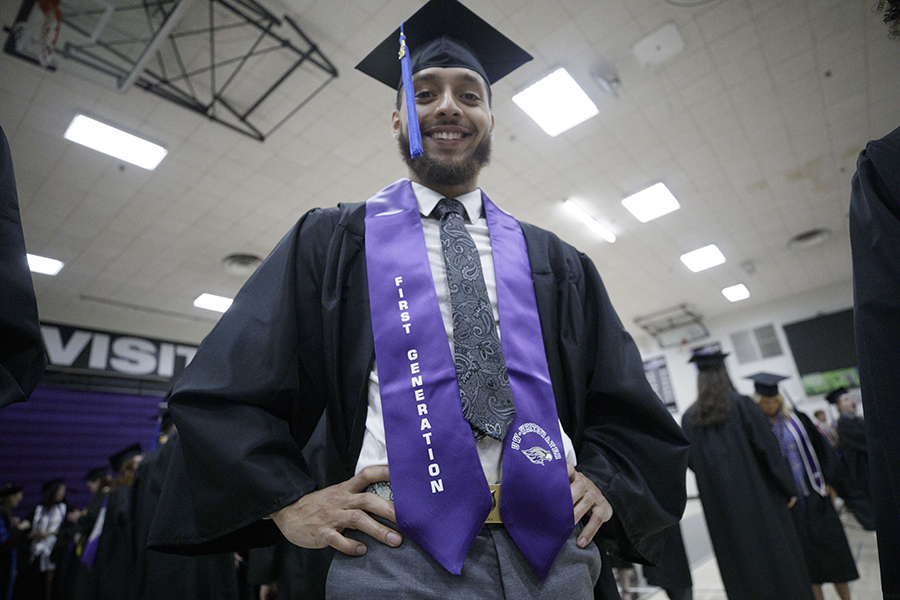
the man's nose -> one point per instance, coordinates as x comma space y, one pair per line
447, 105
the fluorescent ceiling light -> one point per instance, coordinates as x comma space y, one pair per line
44, 265
556, 103
213, 302
115, 142
736, 293
653, 202
704, 258
590, 221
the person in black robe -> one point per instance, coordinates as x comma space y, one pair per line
113, 572
875, 243
160, 576
297, 342
745, 488
13, 537
811, 460
22, 357
853, 451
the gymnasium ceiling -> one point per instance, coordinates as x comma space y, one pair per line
754, 126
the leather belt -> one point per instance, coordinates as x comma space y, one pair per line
383, 490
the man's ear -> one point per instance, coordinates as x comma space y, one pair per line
396, 124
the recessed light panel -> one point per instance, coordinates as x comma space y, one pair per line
115, 142
736, 293
590, 221
653, 202
44, 265
213, 302
702, 259
556, 103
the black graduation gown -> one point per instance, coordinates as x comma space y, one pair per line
825, 546
12, 540
113, 574
745, 484
22, 358
854, 455
875, 242
672, 571
298, 341
161, 576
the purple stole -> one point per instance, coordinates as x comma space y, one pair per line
441, 496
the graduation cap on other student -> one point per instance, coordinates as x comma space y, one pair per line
122, 456
834, 395
9, 489
52, 484
766, 384
95, 474
443, 33
708, 362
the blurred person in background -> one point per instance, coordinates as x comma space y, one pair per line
812, 463
47, 518
853, 451
12, 534
746, 489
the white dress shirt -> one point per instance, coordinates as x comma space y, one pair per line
490, 451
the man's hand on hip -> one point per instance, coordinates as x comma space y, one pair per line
319, 518
587, 498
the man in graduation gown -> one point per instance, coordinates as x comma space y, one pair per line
112, 574
853, 451
875, 241
22, 358
344, 288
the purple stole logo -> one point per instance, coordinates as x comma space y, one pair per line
441, 496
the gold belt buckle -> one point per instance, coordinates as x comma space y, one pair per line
494, 515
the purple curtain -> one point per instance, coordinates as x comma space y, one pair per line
65, 433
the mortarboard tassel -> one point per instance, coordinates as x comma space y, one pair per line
412, 116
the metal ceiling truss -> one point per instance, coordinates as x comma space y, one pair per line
232, 61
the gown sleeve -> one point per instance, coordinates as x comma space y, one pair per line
247, 404
22, 358
632, 448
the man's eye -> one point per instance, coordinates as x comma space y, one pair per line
471, 97
423, 95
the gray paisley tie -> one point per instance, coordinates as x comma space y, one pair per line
487, 402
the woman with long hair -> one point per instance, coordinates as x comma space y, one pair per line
745, 488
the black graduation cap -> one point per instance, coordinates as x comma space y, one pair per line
833, 395
443, 33
710, 361
122, 456
9, 489
52, 484
95, 474
766, 384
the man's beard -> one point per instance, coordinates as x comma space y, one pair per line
437, 172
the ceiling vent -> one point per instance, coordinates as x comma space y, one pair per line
808, 239
241, 264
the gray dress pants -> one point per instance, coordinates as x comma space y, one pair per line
494, 569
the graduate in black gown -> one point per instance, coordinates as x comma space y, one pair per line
113, 571
875, 242
22, 358
745, 487
853, 451
812, 463
13, 538
298, 342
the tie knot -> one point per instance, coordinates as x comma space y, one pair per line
449, 206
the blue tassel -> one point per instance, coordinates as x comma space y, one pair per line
412, 116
